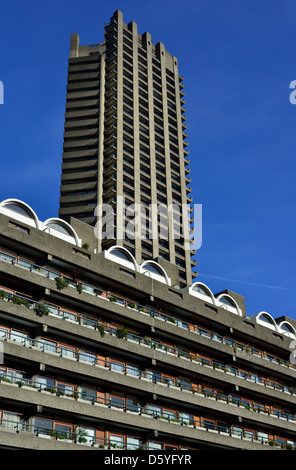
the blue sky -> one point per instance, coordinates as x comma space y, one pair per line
238, 59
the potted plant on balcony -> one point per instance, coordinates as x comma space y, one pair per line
61, 283
17, 300
79, 287
4, 295
82, 435
122, 333
41, 309
101, 330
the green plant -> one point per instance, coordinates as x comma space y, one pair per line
143, 309
131, 305
288, 447
17, 300
79, 287
61, 283
273, 443
5, 379
3, 295
122, 333
41, 310
113, 299
81, 435
85, 246
101, 330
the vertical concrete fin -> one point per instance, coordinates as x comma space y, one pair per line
74, 45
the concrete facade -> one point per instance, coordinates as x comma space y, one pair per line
125, 137
130, 362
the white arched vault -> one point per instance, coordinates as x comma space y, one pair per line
201, 289
287, 329
228, 302
155, 271
265, 319
61, 227
121, 255
21, 211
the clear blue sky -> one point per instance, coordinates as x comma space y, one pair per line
238, 59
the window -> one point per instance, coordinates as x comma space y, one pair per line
44, 382
117, 441
222, 427
64, 388
266, 318
120, 254
227, 301
63, 430
117, 402
154, 410
132, 370
169, 414
47, 345
67, 352
153, 269
201, 290
262, 436
10, 420
18, 209
188, 418
18, 336
43, 426
287, 327
86, 435
237, 431
133, 443
117, 366
185, 384
155, 445
132, 405
88, 394
59, 228
87, 356
11, 374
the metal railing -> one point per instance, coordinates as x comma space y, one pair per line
80, 436
88, 288
148, 342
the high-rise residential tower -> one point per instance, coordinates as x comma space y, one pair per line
124, 145
93, 354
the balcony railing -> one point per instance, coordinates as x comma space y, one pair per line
150, 376
143, 341
79, 437
52, 274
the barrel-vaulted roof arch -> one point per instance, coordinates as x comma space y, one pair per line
22, 209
